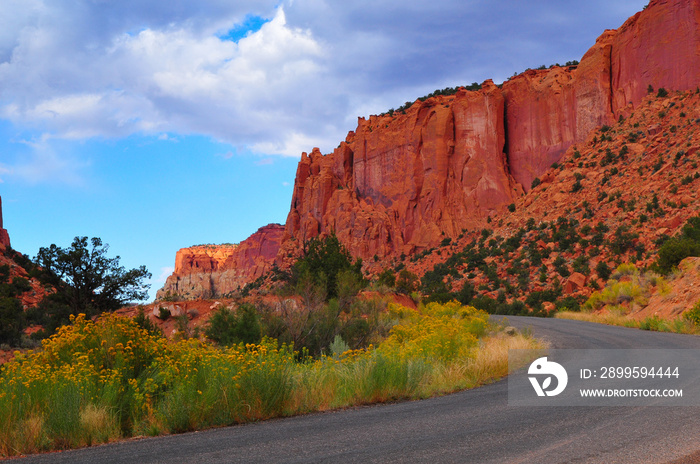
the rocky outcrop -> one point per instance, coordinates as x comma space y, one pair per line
4, 236
207, 271
399, 183
659, 46
549, 110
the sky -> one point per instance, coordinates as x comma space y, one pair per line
156, 126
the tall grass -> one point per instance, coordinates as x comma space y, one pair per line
626, 289
654, 323
95, 382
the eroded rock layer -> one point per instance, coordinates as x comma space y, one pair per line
207, 271
403, 182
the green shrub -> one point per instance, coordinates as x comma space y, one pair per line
227, 327
603, 270
145, 323
387, 277
569, 303
12, 321
673, 251
561, 267
622, 240
323, 260
163, 313
581, 265
676, 249
693, 314
654, 323
407, 282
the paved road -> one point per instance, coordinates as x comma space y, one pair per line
475, 426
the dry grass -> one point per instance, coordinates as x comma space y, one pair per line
29, 436
653, 323
489, 363
609, 318
99, 425
63, 398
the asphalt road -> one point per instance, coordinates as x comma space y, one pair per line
475, 426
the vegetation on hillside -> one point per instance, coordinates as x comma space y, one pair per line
615, 199
81, 279
95, 382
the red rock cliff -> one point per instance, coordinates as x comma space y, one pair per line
4, 236
207, 271
549, 110
659, 46
397, 183
401, 183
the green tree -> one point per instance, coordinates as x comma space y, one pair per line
407, 282
387, 277
324, 259
12, 321
87, 281
675, 249
603, 270
228, 328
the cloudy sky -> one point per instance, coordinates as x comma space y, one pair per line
159, 125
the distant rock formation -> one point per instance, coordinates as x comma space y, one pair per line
208, 271
400, 183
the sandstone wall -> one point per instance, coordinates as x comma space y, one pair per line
401, 183
208, 271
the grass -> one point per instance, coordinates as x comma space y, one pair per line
655, 323
629, 288
95, 382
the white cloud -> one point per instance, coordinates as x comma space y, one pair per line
87, 68
174, 80
46, 164
165, 272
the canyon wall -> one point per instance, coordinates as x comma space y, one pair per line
398, 182
402, 182
208, 271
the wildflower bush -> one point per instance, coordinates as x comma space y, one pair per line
693, 314
435, 332
98, 381
627, 286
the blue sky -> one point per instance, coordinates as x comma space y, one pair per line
158, 127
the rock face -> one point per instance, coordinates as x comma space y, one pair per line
403, 182
659, 46
208, 271
547, 111
397, 183
4, 236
